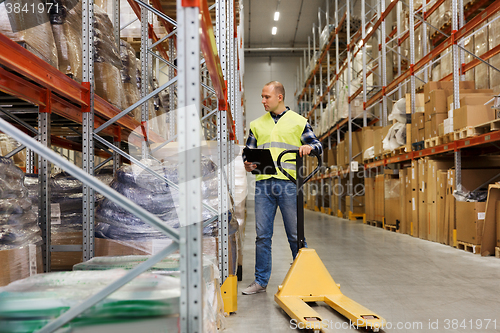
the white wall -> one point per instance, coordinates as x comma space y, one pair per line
258, 72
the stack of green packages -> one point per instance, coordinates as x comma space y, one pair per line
29, 304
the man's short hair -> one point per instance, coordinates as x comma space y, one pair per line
278, 87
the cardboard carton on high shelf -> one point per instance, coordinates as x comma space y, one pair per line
417, 120
444, 85
357, 141
472, 115
441, 128
440, 101
470, 221
419, 103
414, 134
436, 120
332, 156
341, 153
479, 98
358, 204
421, 135
20, 263
436, 103
428, 130
367, 134
378, 137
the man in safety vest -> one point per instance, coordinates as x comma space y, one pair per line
278, 130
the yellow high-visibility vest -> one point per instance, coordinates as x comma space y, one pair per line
283, 135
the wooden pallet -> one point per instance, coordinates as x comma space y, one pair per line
370, 160
375, 223
465, 132
493, 125
472, 248
497, 252
400, 150
387, 154
391, 227
433, 142
449, 137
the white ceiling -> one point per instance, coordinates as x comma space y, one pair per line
260, 13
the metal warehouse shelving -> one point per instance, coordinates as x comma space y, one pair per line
51, 95
373, 30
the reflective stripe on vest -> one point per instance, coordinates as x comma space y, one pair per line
283, 135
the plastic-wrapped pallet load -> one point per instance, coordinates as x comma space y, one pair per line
494, 40
480, 48
129, 77
7, 144
66, 26
116, 227
20, 236
29, 304
213, 308
66, 212
31, 27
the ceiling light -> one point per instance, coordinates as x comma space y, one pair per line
276, 16
275, 29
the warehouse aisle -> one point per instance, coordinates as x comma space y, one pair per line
408, 281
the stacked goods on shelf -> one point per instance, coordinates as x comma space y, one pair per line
341, 159
66, 202
66, 25
45, 296
480, 48
490, 243
118, 230
129, 78
379, 134
31, 28
370, 199
392, 207
396, 135
107, 62
213, 309
367, 147
357, 141
417, 119
7, 144
20, 236
494, 41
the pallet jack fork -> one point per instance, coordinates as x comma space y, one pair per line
308, 280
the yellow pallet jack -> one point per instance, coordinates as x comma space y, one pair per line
308, 280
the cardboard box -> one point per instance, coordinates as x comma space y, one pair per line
428, 130
414, 180
436, 104
478, 98
20, 263
491, 232
421, 135
392, 209
422, 198
408, 137
370, 199
414, 134
441, 128
409, 203
358, 204
367, 137
402, 200
472, 115
332, 156
419, 103
450, 206
341, 153
379, 198
442, 225
444, 85
417, 120
470, 221
64, 261
436, 120
379, 134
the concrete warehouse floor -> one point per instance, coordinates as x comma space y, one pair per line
412, 283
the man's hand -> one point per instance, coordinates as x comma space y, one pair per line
305, 150
249, 167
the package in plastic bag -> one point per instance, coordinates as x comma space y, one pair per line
399, 111
396, 137
31, 26
29, 304
369, 153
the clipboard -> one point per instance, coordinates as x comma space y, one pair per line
263, 159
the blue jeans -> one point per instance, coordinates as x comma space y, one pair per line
270, 194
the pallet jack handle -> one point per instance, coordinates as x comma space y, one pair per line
300, 181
